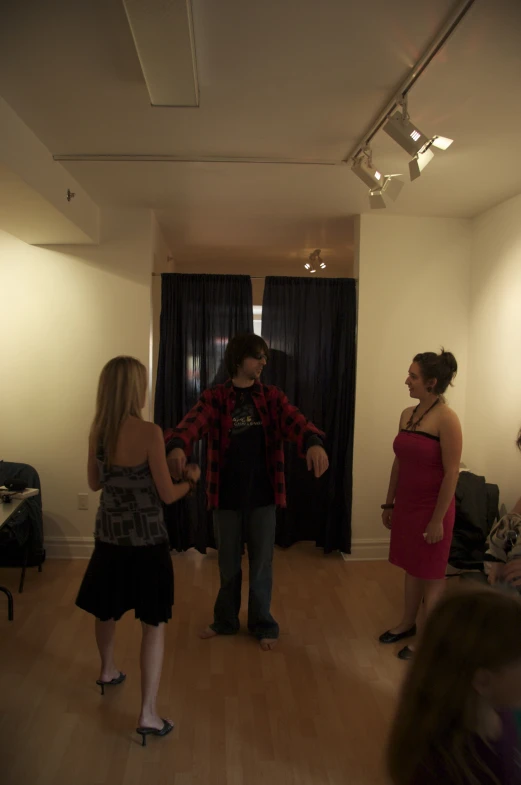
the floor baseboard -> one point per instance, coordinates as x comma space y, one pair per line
69, 547
368, 550
82, 547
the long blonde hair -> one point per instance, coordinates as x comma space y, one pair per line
436, 716
121, 393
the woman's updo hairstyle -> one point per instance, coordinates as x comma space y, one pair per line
442, 367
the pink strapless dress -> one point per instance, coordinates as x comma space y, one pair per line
419, 482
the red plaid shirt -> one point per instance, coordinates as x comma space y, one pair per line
212, 415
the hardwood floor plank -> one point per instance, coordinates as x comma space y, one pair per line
315, 711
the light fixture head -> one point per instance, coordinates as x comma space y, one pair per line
366, 172
376, 200
441, 142
391, 188
314, 261
404, 133
419, 162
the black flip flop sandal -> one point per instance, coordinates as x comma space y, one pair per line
112, 683
164, 731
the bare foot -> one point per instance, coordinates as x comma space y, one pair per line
152, 721
109, 674
207, 633
401, 628
267, 644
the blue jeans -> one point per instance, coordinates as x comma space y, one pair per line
257, 528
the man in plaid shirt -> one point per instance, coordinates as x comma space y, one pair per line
246, 423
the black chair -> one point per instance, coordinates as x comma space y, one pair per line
16, 537
21, 538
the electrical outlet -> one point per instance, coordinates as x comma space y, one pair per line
83, 501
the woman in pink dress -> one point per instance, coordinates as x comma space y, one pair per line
420, 504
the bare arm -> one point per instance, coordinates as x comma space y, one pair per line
391, 491
92, 466
451, 446
393, 482
168, 492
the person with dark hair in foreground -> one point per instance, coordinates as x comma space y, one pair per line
246, 423
454, 723
420, 506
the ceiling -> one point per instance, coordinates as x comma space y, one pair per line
298, 80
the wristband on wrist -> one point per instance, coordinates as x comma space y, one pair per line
387, 506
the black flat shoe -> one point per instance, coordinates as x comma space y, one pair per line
394, 637
164, 731
405, 654
112, 683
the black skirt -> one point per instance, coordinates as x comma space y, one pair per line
120, 578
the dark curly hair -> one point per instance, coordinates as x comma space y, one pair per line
442, 367
242, 346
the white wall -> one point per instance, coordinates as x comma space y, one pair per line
162, 263
414, 281
65, 312
33, 189
494, 382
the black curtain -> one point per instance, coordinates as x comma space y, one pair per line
310, 326
199, 315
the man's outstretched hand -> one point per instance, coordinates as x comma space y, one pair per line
317, 460
192, 472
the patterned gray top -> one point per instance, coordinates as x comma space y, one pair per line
130, 510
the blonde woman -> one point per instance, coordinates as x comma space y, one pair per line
130, 568
454, 724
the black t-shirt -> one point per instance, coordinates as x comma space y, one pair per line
245, 482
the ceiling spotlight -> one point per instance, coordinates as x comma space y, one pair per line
376, 200
441, 142
391, 188
413, 141
404, 133
419, 162
379, 184
313, 259
366, 172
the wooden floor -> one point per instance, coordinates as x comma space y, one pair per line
313, 712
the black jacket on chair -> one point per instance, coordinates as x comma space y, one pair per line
32, 522
477, 507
